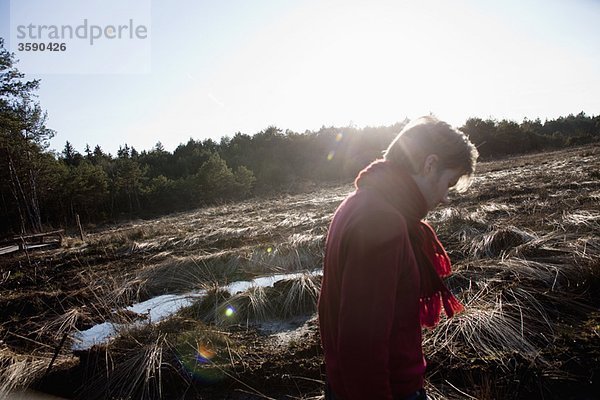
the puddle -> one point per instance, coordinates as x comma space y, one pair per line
158, 308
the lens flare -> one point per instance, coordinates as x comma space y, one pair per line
205, 354
229, 311
330, 155
201, 360
339, 137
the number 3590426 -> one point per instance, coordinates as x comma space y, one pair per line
42, 46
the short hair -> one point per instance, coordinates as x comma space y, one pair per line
428, 135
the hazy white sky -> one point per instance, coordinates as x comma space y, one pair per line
219, 67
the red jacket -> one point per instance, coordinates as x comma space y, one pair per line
369, 302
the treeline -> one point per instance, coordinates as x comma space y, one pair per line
99, 186
500, 138
41, 189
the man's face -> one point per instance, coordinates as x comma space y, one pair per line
440, 184
435, 182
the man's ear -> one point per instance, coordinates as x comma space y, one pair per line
430, 164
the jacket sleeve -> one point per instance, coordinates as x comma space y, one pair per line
368, 295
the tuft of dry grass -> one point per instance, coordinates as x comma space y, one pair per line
488, 329
582, 219
180, 274
298, 296
458, 229
245, 307
207, 309
20, 371
147, 360
300, 252
65, 323
500, 241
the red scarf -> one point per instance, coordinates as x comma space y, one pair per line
400, 189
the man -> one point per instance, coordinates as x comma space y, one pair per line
383, 266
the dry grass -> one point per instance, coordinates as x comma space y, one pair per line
582, 219
285, 299
299, 296
181, 274
64, 324
489, 329
249, 306
219, 228
20, 371
299, 252
524, 288
499, 242
147, 358
524, 241
207, 308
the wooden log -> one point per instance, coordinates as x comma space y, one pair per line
22, 240
38, 235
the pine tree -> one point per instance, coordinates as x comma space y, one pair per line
23, 139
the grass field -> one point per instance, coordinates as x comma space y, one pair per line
524, 240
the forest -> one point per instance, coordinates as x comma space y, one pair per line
41, 188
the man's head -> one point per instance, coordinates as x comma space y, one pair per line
438, 157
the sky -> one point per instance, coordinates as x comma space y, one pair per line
213, 68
